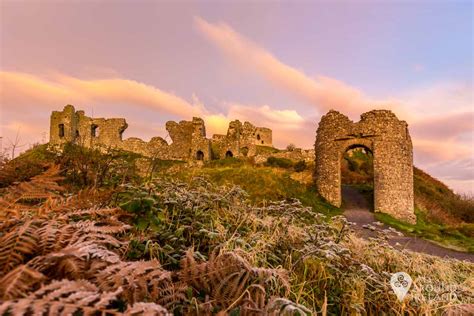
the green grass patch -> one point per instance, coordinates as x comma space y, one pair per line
279, 162
160, 164
447, 236
226, 162
264, 184
262, 150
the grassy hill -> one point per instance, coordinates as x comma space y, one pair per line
225, 237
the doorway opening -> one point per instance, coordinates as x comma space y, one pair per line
357, 177
229, 154
199, 155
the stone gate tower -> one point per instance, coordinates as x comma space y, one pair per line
382, 133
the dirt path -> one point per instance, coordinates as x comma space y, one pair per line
357, 211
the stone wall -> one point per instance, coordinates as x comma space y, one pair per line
296, 154
388, 139
241, 140
188, 138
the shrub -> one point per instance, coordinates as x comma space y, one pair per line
97, 167
279, 162
291, 147
31, 163
300, 166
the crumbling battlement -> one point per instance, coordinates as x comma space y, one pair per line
188, 138
387, 137
241, 140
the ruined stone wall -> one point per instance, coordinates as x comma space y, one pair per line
263, 136
388, 139
296, 154
188, 138
63, 125
241, 140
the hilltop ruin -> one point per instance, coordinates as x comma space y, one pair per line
388, 139
188, 138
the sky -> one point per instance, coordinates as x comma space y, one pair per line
276, 64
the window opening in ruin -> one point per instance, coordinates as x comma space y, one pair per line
121, 134
77, 133
61, 130
258, 136
357, 173
94, 130
199, 155
262, 141
229, 154
244, 151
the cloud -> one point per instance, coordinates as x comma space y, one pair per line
435, 151
447, 126
287, 125
440, 137
21, 87
322, 93
25, 93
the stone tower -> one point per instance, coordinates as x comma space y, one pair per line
382, 133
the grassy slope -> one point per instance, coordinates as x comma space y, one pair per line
268, 183
261, 183
439, 218
442, 216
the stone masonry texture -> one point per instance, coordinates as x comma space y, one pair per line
188, 138
381, 132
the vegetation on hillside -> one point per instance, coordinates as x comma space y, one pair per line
225, 238
442, 215
357, 167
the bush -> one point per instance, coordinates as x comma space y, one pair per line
279, 162
31, 163
300, 166
291, 147
93, 167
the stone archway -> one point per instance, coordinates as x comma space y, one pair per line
229, 154
388, 139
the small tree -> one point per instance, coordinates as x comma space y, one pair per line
291, 147
15, 144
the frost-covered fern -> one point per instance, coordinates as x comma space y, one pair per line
198, 249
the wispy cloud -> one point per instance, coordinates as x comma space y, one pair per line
22, 88
25, 93
323, 93
439, 135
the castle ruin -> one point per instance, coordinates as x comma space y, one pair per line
388, 139
188, 138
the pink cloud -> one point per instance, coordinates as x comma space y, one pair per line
34, 94
437, 137
447, 126
322, 93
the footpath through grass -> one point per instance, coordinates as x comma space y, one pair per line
447, 236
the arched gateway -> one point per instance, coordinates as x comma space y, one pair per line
388, 139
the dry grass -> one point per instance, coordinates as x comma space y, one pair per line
197, 248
